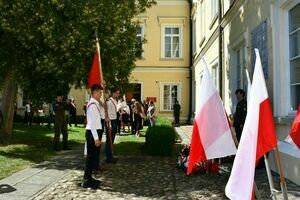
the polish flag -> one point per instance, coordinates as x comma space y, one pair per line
258, 137
295, 131
211, 136
95, 74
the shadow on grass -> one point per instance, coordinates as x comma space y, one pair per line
32, 145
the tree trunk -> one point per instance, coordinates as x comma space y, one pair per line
8, 106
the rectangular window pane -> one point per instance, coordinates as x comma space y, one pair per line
170, 96
167, 30
295, 96
175, 30
295, 71
175, 47
295, 18
139, 30
295, 44
168, 47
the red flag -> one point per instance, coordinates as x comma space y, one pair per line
211, 132
95, 76
258, 137
295, 131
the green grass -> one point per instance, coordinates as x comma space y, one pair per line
33, 145
30, 146
130, 144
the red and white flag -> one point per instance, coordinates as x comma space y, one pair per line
211, 136
258, 137
295, 131
95, 74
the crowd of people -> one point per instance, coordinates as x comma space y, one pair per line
112, 121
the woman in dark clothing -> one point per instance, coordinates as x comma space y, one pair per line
138, 118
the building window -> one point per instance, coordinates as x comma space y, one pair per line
140, 35
194, 36
214, 8
240, 68
172, 42
170, 95
294, 36
202, 21
215, 75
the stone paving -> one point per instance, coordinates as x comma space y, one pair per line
133, 177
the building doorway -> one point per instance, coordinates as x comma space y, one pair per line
135, 92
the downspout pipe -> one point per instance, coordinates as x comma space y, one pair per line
190, 69
220, 50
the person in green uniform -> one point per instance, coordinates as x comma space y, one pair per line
60, 123
176, 110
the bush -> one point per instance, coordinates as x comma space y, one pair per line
160, 139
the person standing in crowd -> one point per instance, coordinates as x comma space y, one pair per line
131, 116
94, 131
60, 123
138, 117
51, 116
240, 113
28, 114
72, 113
84, 113
41, 114
151, 113
125, 117
111, 130
176, 110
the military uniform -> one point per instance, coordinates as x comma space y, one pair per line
240, 117
60, 124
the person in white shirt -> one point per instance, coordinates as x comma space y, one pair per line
93, 136
112, 109
28, 114
151, 114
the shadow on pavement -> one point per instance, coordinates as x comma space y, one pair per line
5, 188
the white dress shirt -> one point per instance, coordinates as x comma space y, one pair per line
112, 108
93, 117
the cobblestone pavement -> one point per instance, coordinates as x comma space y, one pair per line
150, 178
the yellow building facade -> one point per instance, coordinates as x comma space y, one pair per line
162, 72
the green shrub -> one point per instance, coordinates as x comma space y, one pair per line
163, 121
160, 139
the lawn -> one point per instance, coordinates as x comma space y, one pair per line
31, 145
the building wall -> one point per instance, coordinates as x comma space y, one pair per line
239, 22
154, 70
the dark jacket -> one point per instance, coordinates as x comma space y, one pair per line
240, 113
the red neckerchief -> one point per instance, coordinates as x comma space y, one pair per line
114, 104
93, 103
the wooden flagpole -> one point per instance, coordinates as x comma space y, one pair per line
282, 179
270, 178
104, 92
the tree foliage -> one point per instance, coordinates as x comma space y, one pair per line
49, 44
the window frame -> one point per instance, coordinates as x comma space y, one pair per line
163, 35
162, 85
142, 36
292, 58
214, 9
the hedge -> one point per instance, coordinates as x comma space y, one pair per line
160, 139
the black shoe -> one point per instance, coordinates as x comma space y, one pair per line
90, 184
95, 181
66, 148
113, 160
56, 147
